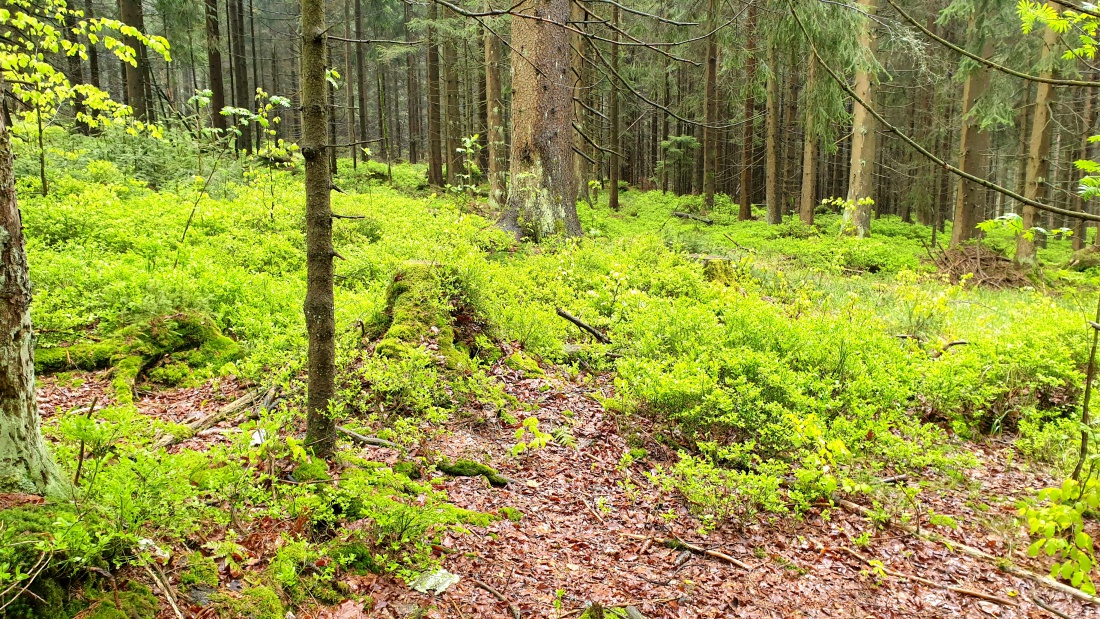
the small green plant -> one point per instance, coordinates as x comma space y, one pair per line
863, 540
529, 437
1057, 526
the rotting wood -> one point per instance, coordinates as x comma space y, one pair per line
366, 440
676, 542
214, 418
706, 220
585, 326
500, 596
1001, 563
924, 581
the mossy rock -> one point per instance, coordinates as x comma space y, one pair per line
408, 469
135, 602
520, 362
1085, 259
312, 470
469, 468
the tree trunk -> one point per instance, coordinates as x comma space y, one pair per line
319, 303
93, 49
255, 72
771, 174
1038, 162
240, 69
349, 90
214, 55
973, 155
541, 201
710, 111
809, 153
857, 220
454, 118
25, 463
435, 138
613, 112
412, 84
361, 71
577, 59
135, 74
748, 130
495, 137
76, 77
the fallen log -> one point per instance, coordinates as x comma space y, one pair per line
698, 218
367, 440
213, 419
676, 542
1001, 563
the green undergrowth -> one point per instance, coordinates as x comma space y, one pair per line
782, 363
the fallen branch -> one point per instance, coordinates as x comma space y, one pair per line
366, 440
167, 591
699, 218
214, 418
500, 596
948, 346
676, 542
924, 581
583, 325
1001, 563
1054, 611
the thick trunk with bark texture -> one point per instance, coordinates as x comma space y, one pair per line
541, 201
771, 173
240, 71
453, 140
710, 111
319, 303
132, 15
1038, 154
613, 105
25, 463
495, 137
435, 130
973, 155
857, 220
214, 55
806, 203
748, 131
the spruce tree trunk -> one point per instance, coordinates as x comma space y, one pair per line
861, 173
240, 78
771, 170
435, 129
25, 463
319, 303
710, 111
748, 130
349, 90
1038, 162
809, 154
541, 201
973, 155
93, 50
577, 60
613, 112
361, 71
453, 140
495, 137
412, 86
214, 55
136, 90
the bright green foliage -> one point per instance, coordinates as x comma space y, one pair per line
1057, 526
469, 468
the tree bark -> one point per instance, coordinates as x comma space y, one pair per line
857, 220
435, 138
240, 78
453, 138
1038, 162
771, 173
131, 15
748, 130
806, 203
710, 111
973, 155
412, 84
613, 112
361, 71
319, 302
25, 463
541, 200
214, 56
495, 137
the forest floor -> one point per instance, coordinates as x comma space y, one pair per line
593, 530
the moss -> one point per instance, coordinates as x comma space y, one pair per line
357, 557
136, 602
200, 570
511, 513
720, 271
253, 603
520, 362
469, 468
126, 373
312, 470
91, 356
408, 469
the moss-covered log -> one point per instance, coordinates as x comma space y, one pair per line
469, 468
418, 307
176, 344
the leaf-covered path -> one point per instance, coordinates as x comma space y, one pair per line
592, 529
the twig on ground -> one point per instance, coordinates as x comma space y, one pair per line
710, 553
80, 458
700, 219
1002, 563
961, 591
583, 325
214, 418
1054, 611
167, 591
500, 596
